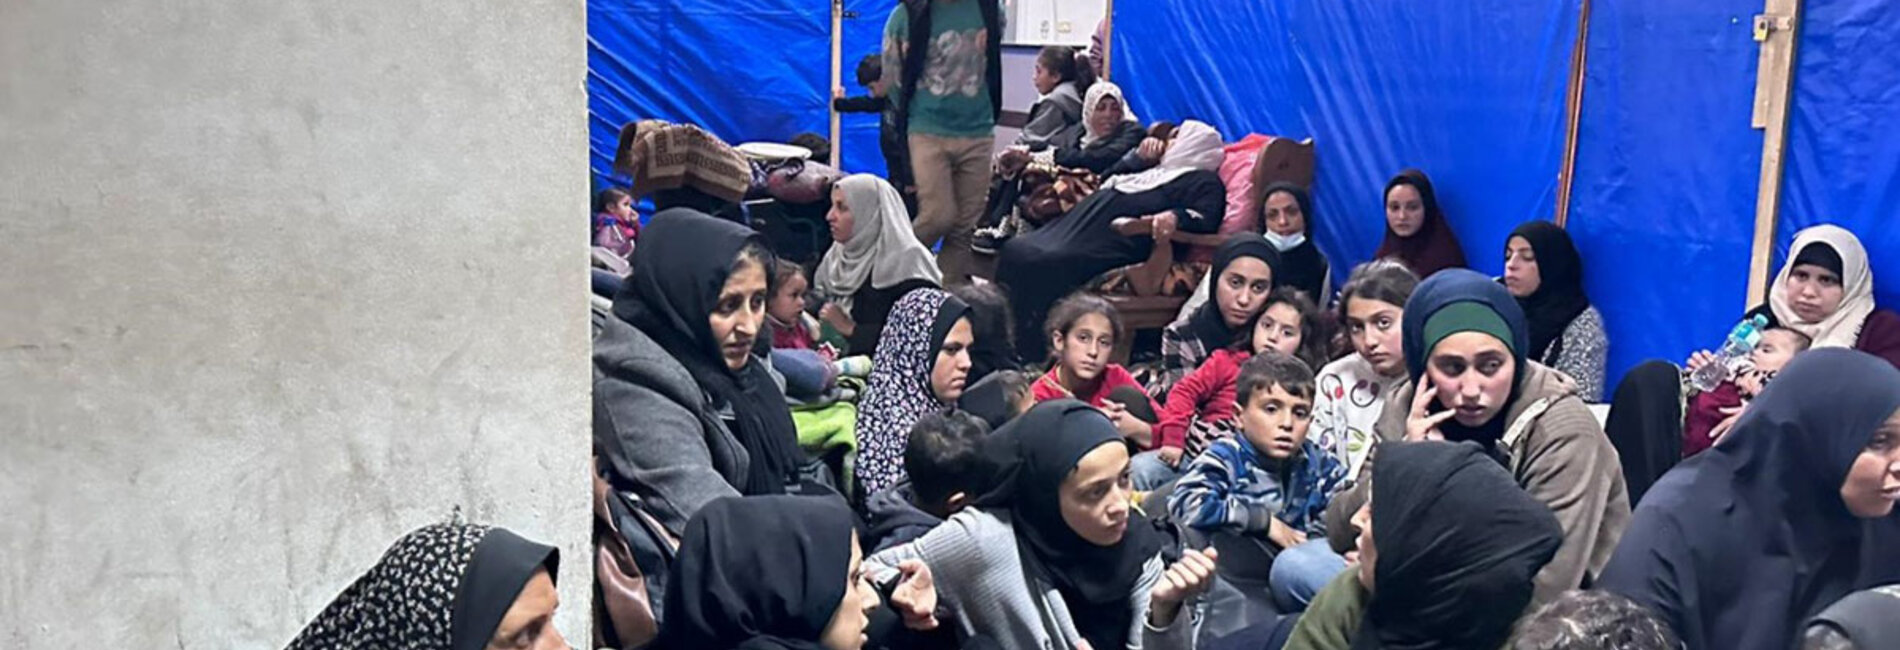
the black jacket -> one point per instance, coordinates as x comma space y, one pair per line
890, 135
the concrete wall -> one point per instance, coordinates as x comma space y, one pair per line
280, 281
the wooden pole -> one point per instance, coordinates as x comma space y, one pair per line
1778, 32
1573, 115
837, 77
1108, 39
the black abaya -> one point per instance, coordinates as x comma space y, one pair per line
1742, 543
1041, 267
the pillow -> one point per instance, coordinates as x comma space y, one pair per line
1236, 173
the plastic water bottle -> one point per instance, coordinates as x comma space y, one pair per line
1734, 352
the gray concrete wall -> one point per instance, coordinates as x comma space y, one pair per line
280, 281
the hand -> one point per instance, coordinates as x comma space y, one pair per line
1164, 226
1727, 424
1183, 580
1422, 424
1151, 149
1284, 536
915, 597
1171, 456
837, 319
1133, 226
1699, 359
837, 92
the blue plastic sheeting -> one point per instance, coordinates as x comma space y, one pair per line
742, 69
1664, 202
1472, 92
1843, 159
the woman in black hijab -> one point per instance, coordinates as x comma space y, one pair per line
799, 587
1448, 548
451, 586
1286, 220
683, 412
1054, 555
1237, 294
1740, 544
1544, 272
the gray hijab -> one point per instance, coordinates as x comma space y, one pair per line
882, 251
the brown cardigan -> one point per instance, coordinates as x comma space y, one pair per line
1560, 457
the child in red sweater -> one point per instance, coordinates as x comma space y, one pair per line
1082, 330
1207, 396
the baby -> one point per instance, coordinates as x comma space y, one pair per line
1713, 413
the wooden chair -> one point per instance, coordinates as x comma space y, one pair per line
1280, 160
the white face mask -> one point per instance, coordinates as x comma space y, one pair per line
1284, 243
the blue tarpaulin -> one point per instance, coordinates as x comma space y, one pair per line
1844, 132
743, 69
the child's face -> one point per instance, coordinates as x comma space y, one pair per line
1776, 348
1278, 329
622, 207
1275, 421
878, 87
790, 299
1045, 80
1084, 351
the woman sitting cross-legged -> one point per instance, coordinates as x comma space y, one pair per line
1054, 556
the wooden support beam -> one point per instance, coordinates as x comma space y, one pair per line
1778, 31
1573, 115
1108, 39
837, 78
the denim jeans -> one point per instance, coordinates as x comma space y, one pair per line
1299, 573
1146, 472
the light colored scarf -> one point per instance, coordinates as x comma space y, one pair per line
1842, 328
883, 250
1096, 93
1195, 146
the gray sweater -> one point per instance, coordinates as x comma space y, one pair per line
979, 575
653, 428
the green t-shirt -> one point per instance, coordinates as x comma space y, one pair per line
953, 93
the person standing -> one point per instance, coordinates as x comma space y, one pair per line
949, 93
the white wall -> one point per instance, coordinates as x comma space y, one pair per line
280, 281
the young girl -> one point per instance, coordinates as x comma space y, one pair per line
1352, 390
616, 228
1083, 329
1289, 324
792, 327
1060, 82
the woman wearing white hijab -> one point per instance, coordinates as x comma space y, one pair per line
874, 260
1826, 291
1181, 193
1109, 131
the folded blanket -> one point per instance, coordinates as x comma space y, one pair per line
668, 156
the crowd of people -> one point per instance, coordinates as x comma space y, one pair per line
895, 448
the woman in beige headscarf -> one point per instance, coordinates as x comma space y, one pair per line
874, 260
1826, 291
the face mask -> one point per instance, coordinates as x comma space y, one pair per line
1284, 243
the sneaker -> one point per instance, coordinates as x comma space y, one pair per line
987, 241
